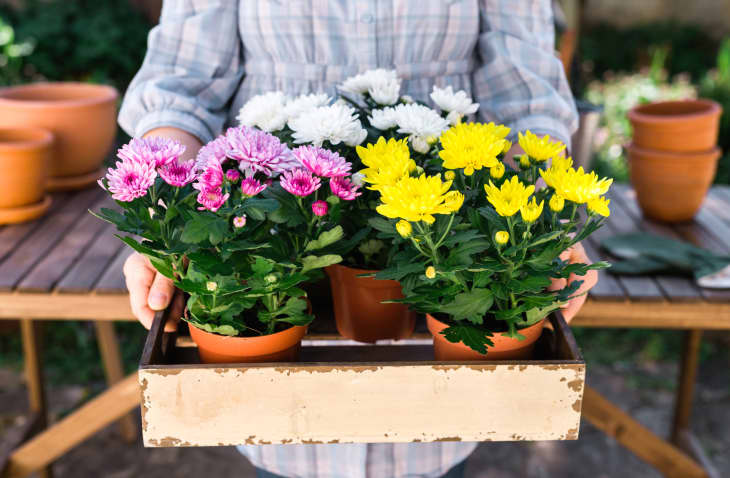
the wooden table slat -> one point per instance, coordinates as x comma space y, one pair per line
608, 287
61, 258
674, 288
112, 281
12, 235
32, 250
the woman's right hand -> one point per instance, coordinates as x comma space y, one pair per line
150, 291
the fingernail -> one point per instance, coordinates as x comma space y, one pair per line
157, 300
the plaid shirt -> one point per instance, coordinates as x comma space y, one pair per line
207, 57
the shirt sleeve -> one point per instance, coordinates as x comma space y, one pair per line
192, 68
519, 81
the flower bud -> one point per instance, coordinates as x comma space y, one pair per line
211, 286
501, 237
404, 228
556, 203
524, 161
239, 221
497, 171
271, 278
431, 140
430, 272
233, 175
320, 208
449, 175
420, 170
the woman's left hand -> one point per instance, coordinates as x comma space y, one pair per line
576, 254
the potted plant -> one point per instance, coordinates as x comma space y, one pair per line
369, 107
240, 229
483, 243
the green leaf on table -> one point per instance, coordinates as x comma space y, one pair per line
326, 238
472, 305
318, 262
473, 337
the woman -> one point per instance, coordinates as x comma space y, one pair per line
207, 57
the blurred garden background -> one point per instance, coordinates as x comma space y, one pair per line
628, 53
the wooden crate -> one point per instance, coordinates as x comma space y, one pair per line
359, 394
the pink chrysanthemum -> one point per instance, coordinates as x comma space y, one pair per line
258, 151
211, 199
345, 189
300, 182
233, 175
178, 173
239, 221
320, 208
130, 180
251, 187
153, 150
211, 177
215, 150
322, 162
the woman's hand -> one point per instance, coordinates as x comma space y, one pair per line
576, 254
150, 291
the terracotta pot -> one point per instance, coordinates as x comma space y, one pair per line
504, 348
82, 118
679, 126
24, 157
359, 312
279, 347
670, 187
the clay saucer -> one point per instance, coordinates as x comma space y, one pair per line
14, 215
72, 183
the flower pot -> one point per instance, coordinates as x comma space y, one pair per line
359, 312
278, 347
679, 126
504, 348
82, 118
670, 187
24, 157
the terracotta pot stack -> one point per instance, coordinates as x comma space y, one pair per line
673, 156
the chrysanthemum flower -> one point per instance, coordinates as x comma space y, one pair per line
211, 199
599, 206
556, 203
320, 208
470, 146
576, 185
130, 180
322, 162
300, 182
305, 103
385, 93
216, 150
362, 83
419, 199
387, 162
338, 123
383, 119
250, 187
153, 150
344, 189
539, 149
266, 112
531, 210
239, 221
178, 173
453, 102
212, 176
258, 151
420, 123
510, 197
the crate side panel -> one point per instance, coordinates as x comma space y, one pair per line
360, 404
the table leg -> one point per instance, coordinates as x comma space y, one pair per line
687, 377
114, 370
30, 333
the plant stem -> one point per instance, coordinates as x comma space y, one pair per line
448, 229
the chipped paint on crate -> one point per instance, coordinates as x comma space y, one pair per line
333, 403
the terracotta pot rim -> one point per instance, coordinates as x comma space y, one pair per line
431, 320
260, 345
101, 94
638, 114
356, 269
35, 138
710, 154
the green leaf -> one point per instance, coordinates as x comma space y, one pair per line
266, 205
318, 262
462, 236
473, 337
195, 231
546, 238
531, 283
382, 225
470, 305
326, 238
536, 314
262, 266
399, 271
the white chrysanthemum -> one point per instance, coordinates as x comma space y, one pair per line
265, 111
383, 119
304, 103
450, 102
422, 125
360, 84
358, 179
336, 123
386, 93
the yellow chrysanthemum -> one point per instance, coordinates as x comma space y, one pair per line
539, 149
507, 146
509, 198
418, 199
498, 130
531, 211
387, 162
556, 203
576, 185
561, 163
471, 147
449, 175
497, 171
430, 272
404, 228
525, 161
599, 205
501, 237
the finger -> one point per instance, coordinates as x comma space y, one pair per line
176, 311
139, 277
160, 292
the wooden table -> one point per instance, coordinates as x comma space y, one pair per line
67, 266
